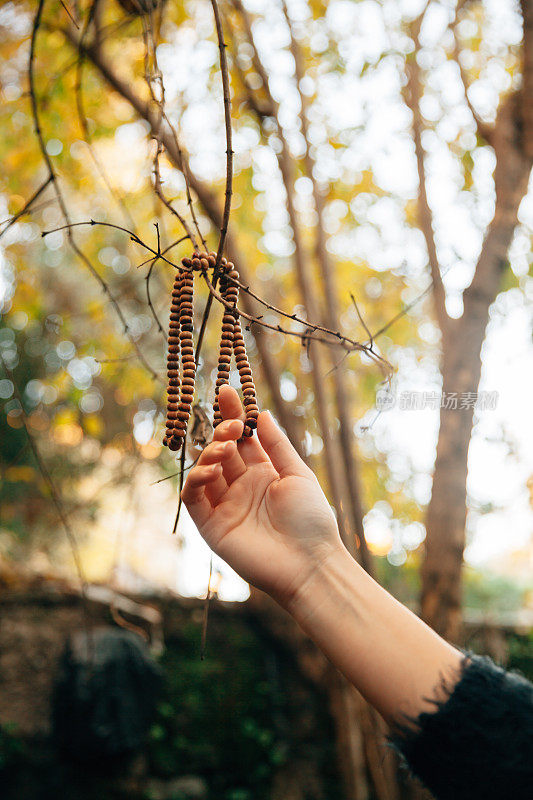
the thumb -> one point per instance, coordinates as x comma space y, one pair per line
278, 448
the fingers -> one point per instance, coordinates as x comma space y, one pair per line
227, 454
227, 430
194, 492
277, 446
231, 408
230, 403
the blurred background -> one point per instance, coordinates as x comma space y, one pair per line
382, 153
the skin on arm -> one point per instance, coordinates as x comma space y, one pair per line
261, 509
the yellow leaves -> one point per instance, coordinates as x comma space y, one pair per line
93, 425
55, 40
14, 159
411, 213
65, 416
151, 450
66, 431
27, 297
467, 163
68, 435
94, 310
16, 201
133, 382
367, 184
20, 473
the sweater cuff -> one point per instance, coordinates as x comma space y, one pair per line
478, 743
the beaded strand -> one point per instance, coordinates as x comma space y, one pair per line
241, 359
173, 373
225, 347
188, 364
181, 378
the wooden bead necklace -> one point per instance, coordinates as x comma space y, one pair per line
180, 389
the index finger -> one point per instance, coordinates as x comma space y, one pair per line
231, 408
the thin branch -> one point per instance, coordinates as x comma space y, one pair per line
483, 128
412, 94
361, 320
149, 299
229, 172
27, 206
158, 188
175, 474
93, 18
69, 14
150, 52
312, 330
405, 310
227, 118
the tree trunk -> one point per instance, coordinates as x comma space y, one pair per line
355, 538
461, 368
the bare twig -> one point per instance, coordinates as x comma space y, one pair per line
483, 128
150, 55
405, 310
227, 117
313, 331
27, 206
412, 94
69, 14
158, 188
93, 18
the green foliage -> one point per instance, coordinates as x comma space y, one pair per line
12, 748
489, 592
235, 718
521, 654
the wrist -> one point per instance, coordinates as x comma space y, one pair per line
324, 584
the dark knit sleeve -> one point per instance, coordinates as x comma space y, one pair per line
478, 743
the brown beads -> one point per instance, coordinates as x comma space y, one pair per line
225, 347
181, 364
232, 340
173, 365
247, 385
180, 344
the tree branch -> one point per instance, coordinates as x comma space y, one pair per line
27, 206
527, 77
412, 93
483, 128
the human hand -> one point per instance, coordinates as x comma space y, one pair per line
258, 505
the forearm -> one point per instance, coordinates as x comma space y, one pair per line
389, 654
